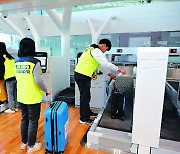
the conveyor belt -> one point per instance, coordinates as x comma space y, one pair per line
117, 124
170, 127
170, 122
174, 84
123, 84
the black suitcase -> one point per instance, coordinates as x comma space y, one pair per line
117, 100
67, 95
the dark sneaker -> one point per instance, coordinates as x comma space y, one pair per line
88, 121
93, 115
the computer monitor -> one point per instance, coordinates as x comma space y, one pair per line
42, 56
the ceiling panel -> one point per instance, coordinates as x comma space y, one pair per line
28, 5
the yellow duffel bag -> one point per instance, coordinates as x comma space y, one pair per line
3, 94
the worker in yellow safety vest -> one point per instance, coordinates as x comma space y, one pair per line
9, 77
30, 87
91, 59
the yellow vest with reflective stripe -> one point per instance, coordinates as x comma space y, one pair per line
9, 68
28, 92
86, 64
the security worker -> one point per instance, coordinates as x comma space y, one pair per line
30, 87
27, 87
90, 60
10, 80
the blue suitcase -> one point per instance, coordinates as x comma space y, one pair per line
56, 121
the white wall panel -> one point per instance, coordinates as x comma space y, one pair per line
149, 95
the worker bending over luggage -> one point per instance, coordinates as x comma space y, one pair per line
30, 87
90, 60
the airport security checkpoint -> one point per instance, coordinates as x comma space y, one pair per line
151, 69
143, 67
138, 112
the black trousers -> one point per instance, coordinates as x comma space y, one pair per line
84, 85
29, 122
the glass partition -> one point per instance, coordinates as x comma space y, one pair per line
11, 40
78, 43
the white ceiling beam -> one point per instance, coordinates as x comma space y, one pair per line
62, 22
13, 27
34, 32
95, 34
56, 18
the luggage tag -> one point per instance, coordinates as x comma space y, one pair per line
113, 80
118, 75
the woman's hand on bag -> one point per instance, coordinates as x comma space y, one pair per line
48, 92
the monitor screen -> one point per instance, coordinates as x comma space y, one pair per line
173, 50
42, 56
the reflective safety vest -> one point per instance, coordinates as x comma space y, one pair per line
87, 64
28, 92
9, 68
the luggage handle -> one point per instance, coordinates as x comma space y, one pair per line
48, 100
